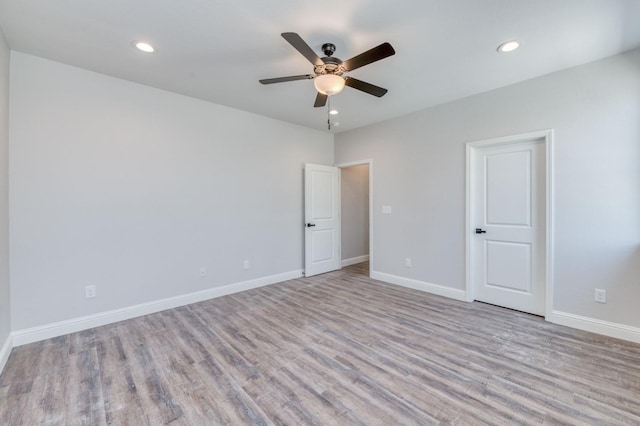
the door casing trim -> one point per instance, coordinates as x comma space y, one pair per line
471, 147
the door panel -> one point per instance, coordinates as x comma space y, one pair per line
322, 194
322, 245
508, 258
509, 265
322, 221
508, 199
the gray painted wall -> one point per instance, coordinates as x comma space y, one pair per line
5, 319
420, 171
355, 211
133, 189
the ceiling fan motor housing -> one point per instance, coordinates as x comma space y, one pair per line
329, 68
330, 64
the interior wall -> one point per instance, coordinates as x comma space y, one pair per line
5, 319
355, 211
134, 189
594, 110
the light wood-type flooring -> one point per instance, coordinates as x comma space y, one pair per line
336, 349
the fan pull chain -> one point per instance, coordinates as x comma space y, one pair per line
329, 112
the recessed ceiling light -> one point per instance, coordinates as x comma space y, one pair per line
508, 46
144, 46
333, 112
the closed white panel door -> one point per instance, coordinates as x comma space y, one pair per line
322, 221
508, 217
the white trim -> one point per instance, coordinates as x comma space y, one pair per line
549, 249
5, 352
355, 260
611, 329
440, 290
35, 334
360, 163
547, 137
469, 293
354, 163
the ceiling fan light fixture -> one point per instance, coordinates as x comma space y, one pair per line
329, 84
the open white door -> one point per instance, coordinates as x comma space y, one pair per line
322, 219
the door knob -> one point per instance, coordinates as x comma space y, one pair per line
480, 231
309, 225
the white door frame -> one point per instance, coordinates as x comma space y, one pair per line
471, 149
360, 163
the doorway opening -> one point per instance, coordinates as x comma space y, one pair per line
356, 218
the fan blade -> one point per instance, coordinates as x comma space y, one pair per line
379, 52
321, 100
283, 79
365, 87
299, 44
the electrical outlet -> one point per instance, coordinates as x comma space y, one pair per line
90, 292
246, 264
407, 262
600, 295
203, 272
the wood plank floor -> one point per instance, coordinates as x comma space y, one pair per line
336, 349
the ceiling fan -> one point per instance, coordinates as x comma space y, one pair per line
328, 71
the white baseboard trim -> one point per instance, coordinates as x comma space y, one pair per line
47, 331
5, 352
611, 329
440, 290
354, 260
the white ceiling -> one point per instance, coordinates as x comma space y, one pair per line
217, 50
